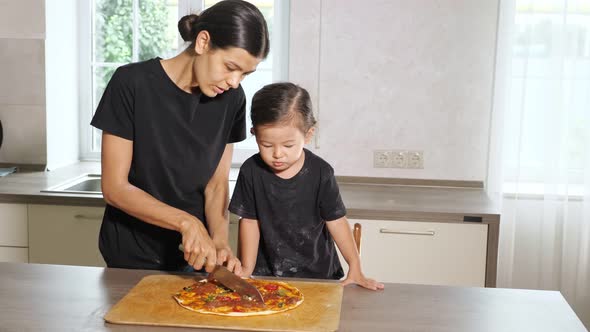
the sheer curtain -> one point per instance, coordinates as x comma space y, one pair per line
540, 148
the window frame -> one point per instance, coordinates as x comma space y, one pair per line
280, 69
85, 83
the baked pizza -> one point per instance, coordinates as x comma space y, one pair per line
208, 297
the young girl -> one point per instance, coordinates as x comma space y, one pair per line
288, 197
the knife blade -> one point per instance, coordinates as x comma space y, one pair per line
235, 283
228, 279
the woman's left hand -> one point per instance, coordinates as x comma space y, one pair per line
357, 277
226, 257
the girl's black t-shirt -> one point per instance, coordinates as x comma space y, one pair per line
178, 140
292, 213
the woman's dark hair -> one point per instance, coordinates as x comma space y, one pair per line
282, 103
230, 23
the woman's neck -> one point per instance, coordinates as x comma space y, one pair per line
180, 69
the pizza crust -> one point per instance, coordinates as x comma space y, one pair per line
239, 314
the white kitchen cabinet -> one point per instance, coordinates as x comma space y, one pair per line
60, 234
418, 252
14, 255
13, 233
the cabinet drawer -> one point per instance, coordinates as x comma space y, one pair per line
424, 252
13, 225
65, 235
14, 255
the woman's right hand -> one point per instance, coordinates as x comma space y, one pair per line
199, 249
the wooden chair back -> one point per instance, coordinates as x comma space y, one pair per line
356, 234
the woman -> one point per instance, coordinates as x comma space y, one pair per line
168, 128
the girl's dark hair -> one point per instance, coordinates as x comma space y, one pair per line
230, 23
282, 103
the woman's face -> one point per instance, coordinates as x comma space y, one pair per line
219, 70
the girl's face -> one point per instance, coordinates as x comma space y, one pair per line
219, 70
281, 147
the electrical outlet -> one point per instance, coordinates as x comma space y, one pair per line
399, 159
381, 159
415, 159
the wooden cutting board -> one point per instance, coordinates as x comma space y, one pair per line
150, 302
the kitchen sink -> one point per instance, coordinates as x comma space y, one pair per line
84, 184
90, 184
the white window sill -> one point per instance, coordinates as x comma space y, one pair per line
531, 190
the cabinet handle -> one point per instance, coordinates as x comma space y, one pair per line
86, 217
391, 231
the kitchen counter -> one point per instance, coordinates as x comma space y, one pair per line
58, 298
374, 199
366, 199
25, 187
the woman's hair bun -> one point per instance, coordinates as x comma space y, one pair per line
230, 23
186, 27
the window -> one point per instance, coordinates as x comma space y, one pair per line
547, 123
116, 32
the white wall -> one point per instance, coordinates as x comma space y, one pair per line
394, 74
382, 74
22, 81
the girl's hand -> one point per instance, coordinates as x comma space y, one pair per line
357, 277
225, 255
246, 272
199, 249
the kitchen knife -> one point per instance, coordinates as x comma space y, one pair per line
228, 279
235, 283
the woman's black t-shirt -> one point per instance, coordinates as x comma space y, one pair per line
292, 213
178, 140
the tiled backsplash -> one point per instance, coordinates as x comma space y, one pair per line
22, 83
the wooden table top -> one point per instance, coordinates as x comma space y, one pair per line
58, 298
